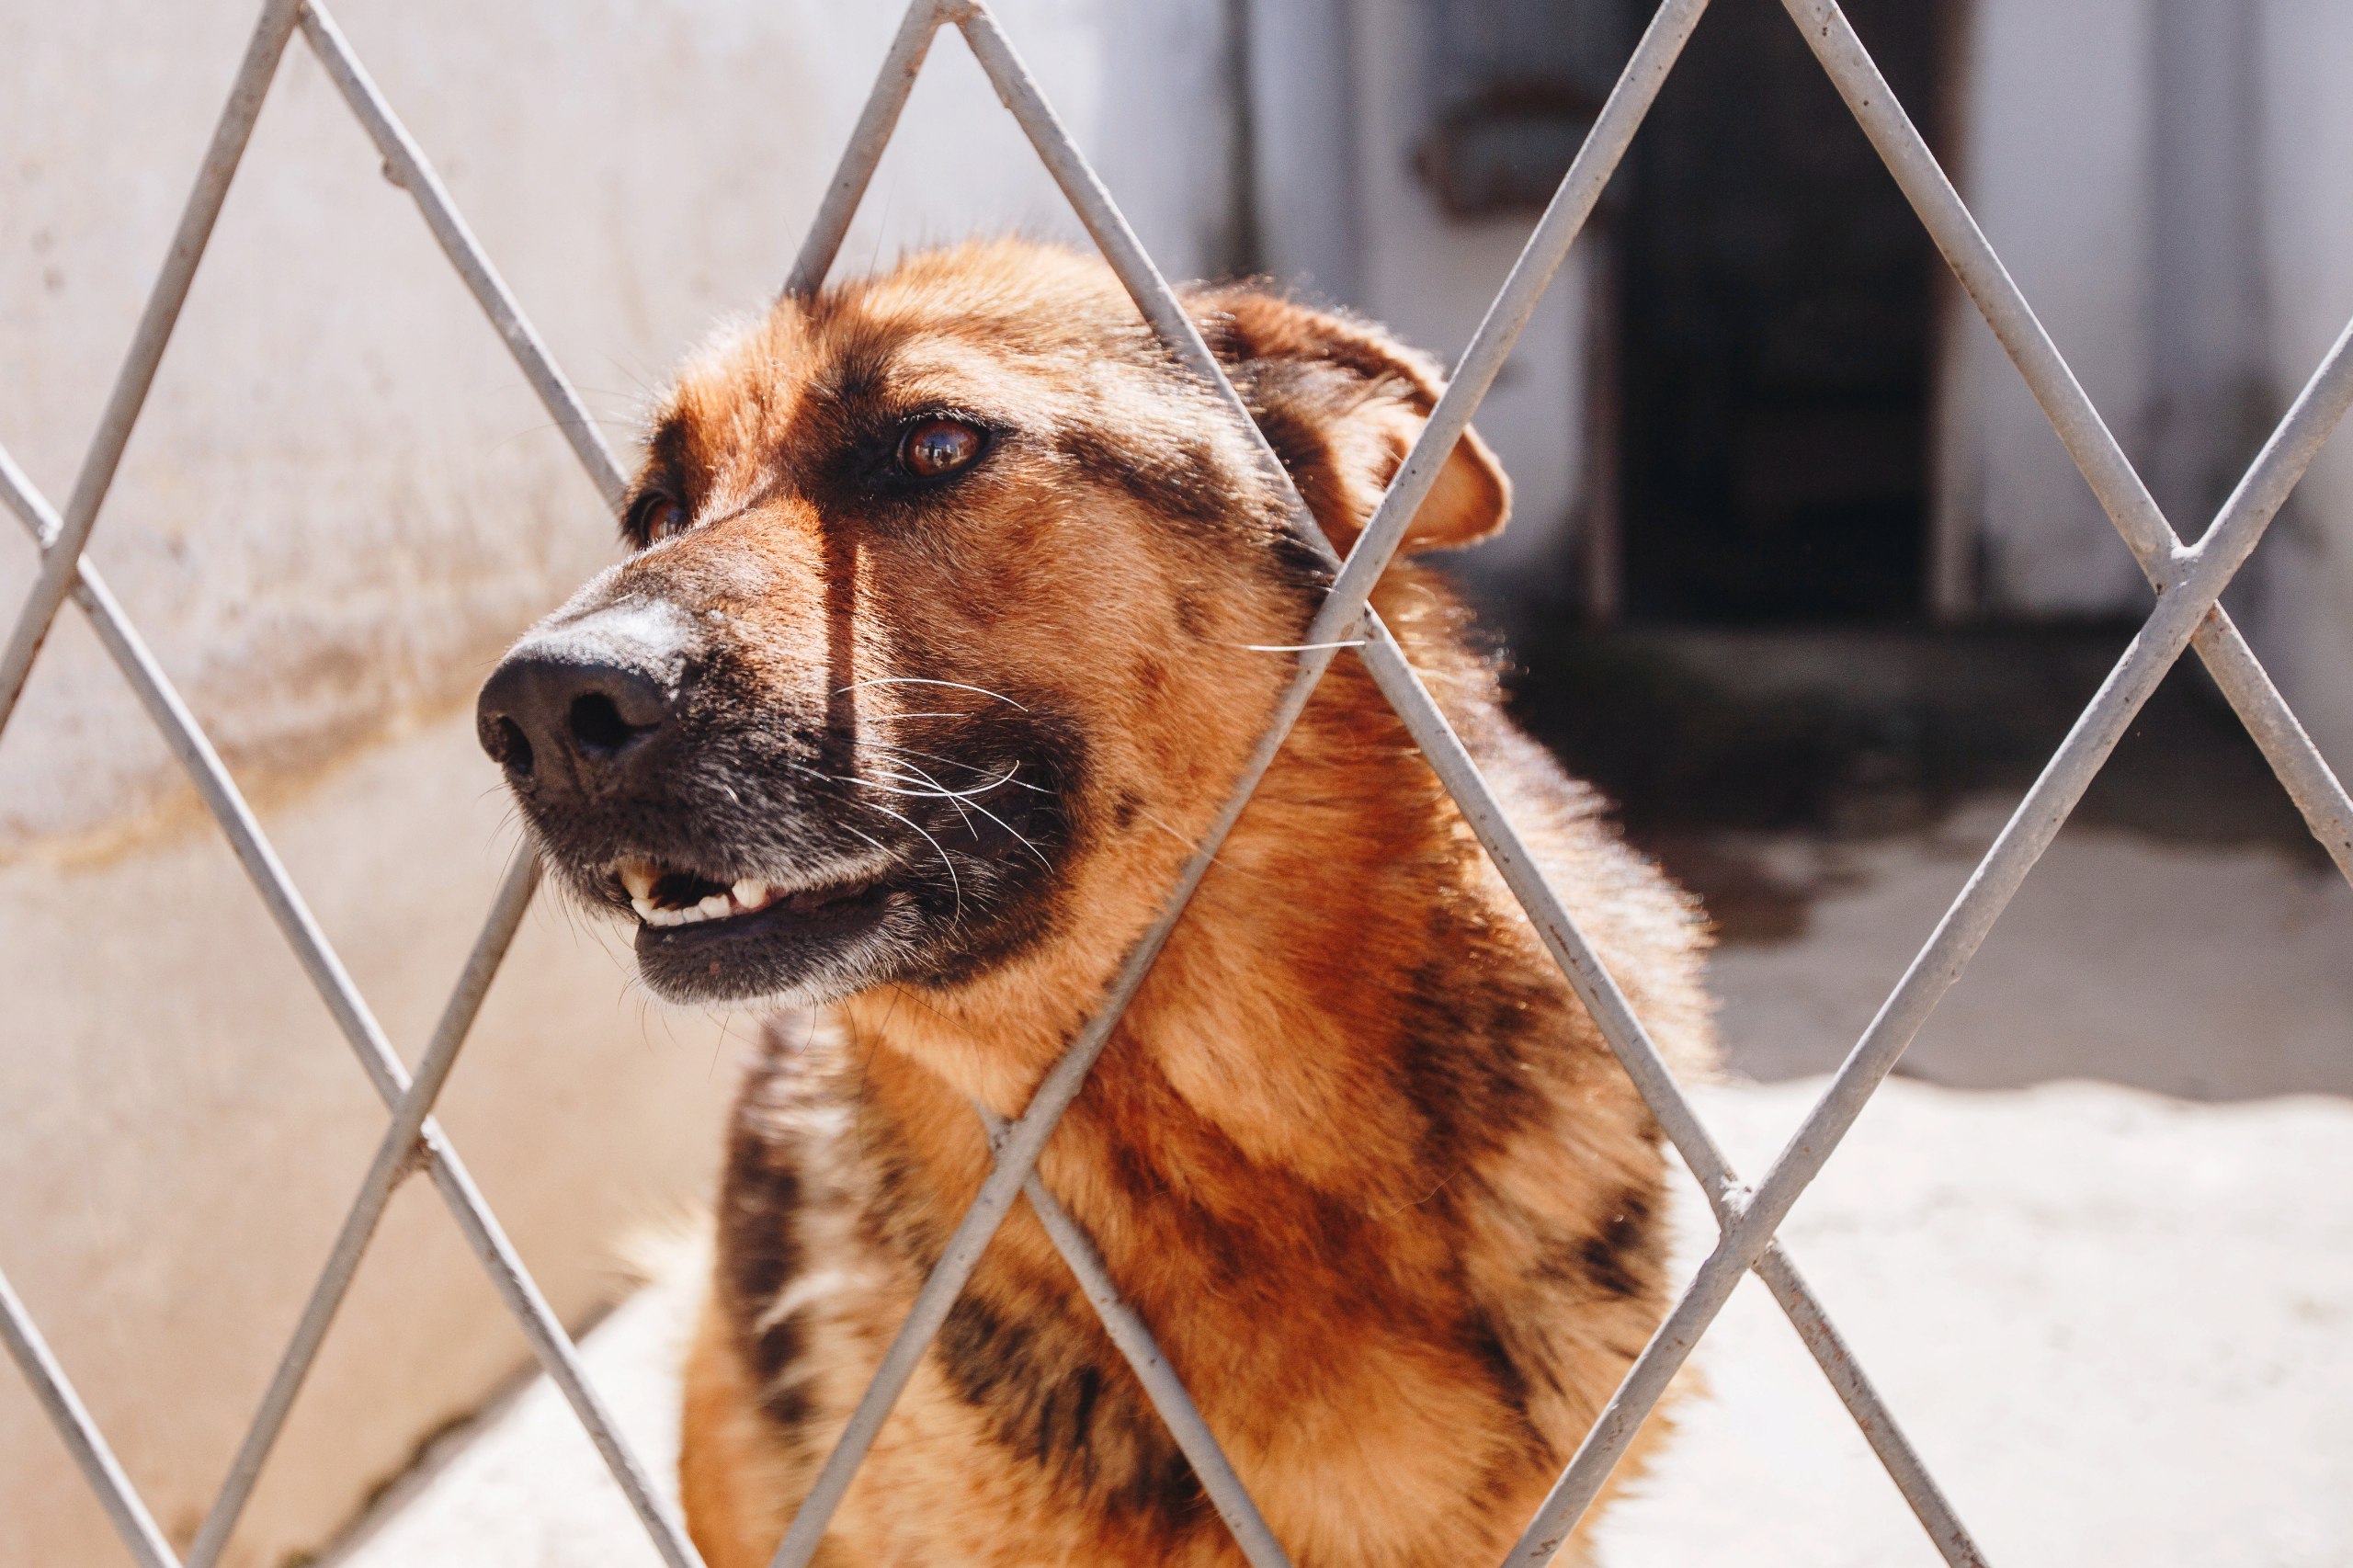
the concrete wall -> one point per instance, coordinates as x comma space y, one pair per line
342, 502
2166, 180
2305, 573
2052, 154
1431, 278
1339, 103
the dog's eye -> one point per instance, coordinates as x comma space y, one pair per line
936, 447
656, 515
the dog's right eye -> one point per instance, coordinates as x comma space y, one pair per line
939, 447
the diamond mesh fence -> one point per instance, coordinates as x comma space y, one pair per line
2187, 578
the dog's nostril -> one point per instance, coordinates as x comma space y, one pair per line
598, 727
513, 747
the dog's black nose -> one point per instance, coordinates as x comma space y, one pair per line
578, 705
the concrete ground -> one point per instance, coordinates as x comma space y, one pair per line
2202, 971
2117, 1324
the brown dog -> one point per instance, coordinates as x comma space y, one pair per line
946, 632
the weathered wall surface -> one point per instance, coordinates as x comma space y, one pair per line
343, 498
342, 502
2193, 281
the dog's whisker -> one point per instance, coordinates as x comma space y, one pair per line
869, 837
955, 883
925, 680
934, 794
952, 762
959, 798
945, 793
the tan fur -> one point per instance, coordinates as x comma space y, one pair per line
1356, 1153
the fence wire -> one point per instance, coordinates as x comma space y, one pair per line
2188, 578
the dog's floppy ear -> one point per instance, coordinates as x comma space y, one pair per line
1342, 402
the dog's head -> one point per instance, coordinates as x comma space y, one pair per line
943, 586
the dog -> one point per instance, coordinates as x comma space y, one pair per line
953, 610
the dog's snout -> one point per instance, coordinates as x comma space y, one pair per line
578, 705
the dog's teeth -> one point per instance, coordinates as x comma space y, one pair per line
638, 878
751, 893
714, 906
646, 909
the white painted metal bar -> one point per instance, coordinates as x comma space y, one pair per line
868, 139
1102, 219
55, 1393
1557, 927
59, 563
1145, 284
407, 167
334, 984
2304, 773
557, 1355
2188, 580
399, 1152
269, 875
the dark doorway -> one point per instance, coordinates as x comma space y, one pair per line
1776, 334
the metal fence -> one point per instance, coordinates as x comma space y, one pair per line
2187, 578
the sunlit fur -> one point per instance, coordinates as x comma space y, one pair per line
1356, 1154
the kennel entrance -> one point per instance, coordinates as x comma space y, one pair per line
1774, 332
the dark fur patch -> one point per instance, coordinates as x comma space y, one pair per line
1487, 1346
1008, 880
1181, 481
1056, 1392
1621, 1259
1617, 1261
1468, 1055
759, 1249
1306, 456
1191, 619
903, 1216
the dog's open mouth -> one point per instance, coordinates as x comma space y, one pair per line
666, 898
699, 935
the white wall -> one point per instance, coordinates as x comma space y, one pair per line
2053, 158
341, 503
1431, 279
2306, 569
2112, 240
1339, 105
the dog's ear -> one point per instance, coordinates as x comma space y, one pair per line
1341, 401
